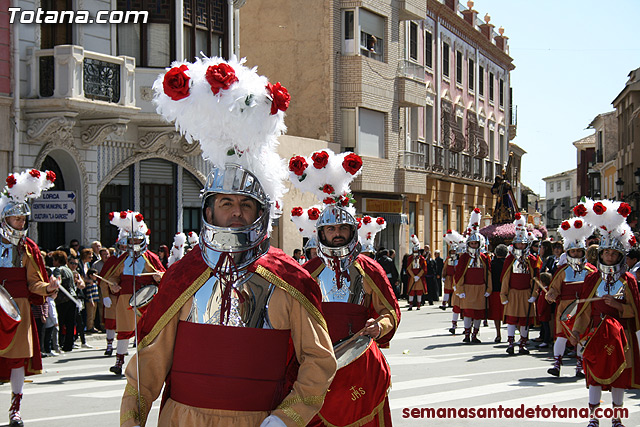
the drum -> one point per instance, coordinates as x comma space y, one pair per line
9, 318
348, 350
143, 296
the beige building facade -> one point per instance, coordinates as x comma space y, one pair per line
419, 89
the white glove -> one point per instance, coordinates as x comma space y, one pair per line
462, 295
273, 421
486, 294
505, 302
532, 299
416, 278
107, 302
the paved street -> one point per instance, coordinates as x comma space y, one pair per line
430, 368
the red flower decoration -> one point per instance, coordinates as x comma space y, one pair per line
366, 219
148, 232
517, 215
380, 221
280, 97
277, 205
577, 223
359, 225
314, 213
11, 181
51, 176
297, 165
328, 201
327, 189
580, 210
632, 240
449, 231
599, 208
320, 159
111, 215
624, 209
139, 217
565, 225
369, 236
344, 201
298, 211
123, 214
176, 83
34, 173
352, 163
477, 210
220, 76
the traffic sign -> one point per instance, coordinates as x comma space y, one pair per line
54, 206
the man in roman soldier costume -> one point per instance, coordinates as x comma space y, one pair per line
108, 296
566, 285
452, 239
368, 228
24, 281
519, 290
473, 279
356, 294
608, 316
232, 296
134, 269
417, 272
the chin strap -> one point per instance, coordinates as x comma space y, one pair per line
227, 272
339, 273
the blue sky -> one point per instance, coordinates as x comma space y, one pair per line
572, 59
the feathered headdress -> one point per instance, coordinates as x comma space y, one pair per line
235, 114
193, 239
610, 218
574, 232
473, 229
453, 239
22, 186
177, 250
305, 220
520, 224
327, 175
129, 223
368, 227
415, 243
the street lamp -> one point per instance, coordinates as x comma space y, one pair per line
619, 186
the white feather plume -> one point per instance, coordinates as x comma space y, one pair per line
177, 250
368, 227
306, 225
575, 231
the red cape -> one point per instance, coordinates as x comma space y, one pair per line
180, 277
463, 263
378, 281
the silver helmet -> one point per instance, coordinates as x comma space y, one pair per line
340, 257
8, 232
577, 263
136, 243
247, 243
611, 273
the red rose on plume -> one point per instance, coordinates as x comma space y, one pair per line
580, 210
448, 231
359, 225
148, 232
277, 205
297, 211
366, 219
380, 221
111, 215
297, 165
11, 181
220, 76
565, 225
280, 97
34, 173
328, 201
320, 159
517, 215
599, 208
352, 163
51, 176
123, 214
313, 213
476, 210
624, 210
344, 201
139, 217
176, 83
327, 189
369, 236
577, 223
632, 240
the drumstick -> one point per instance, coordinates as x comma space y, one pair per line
105, 280
357, 334
619, 294
148, 274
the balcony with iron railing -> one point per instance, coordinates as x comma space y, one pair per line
417, 157
71, 72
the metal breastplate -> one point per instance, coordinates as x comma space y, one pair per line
572, 276
415, 264
351, 291
520, 267
139, 267
474, 262
452, 262
605, 288
9, 256
250, 297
